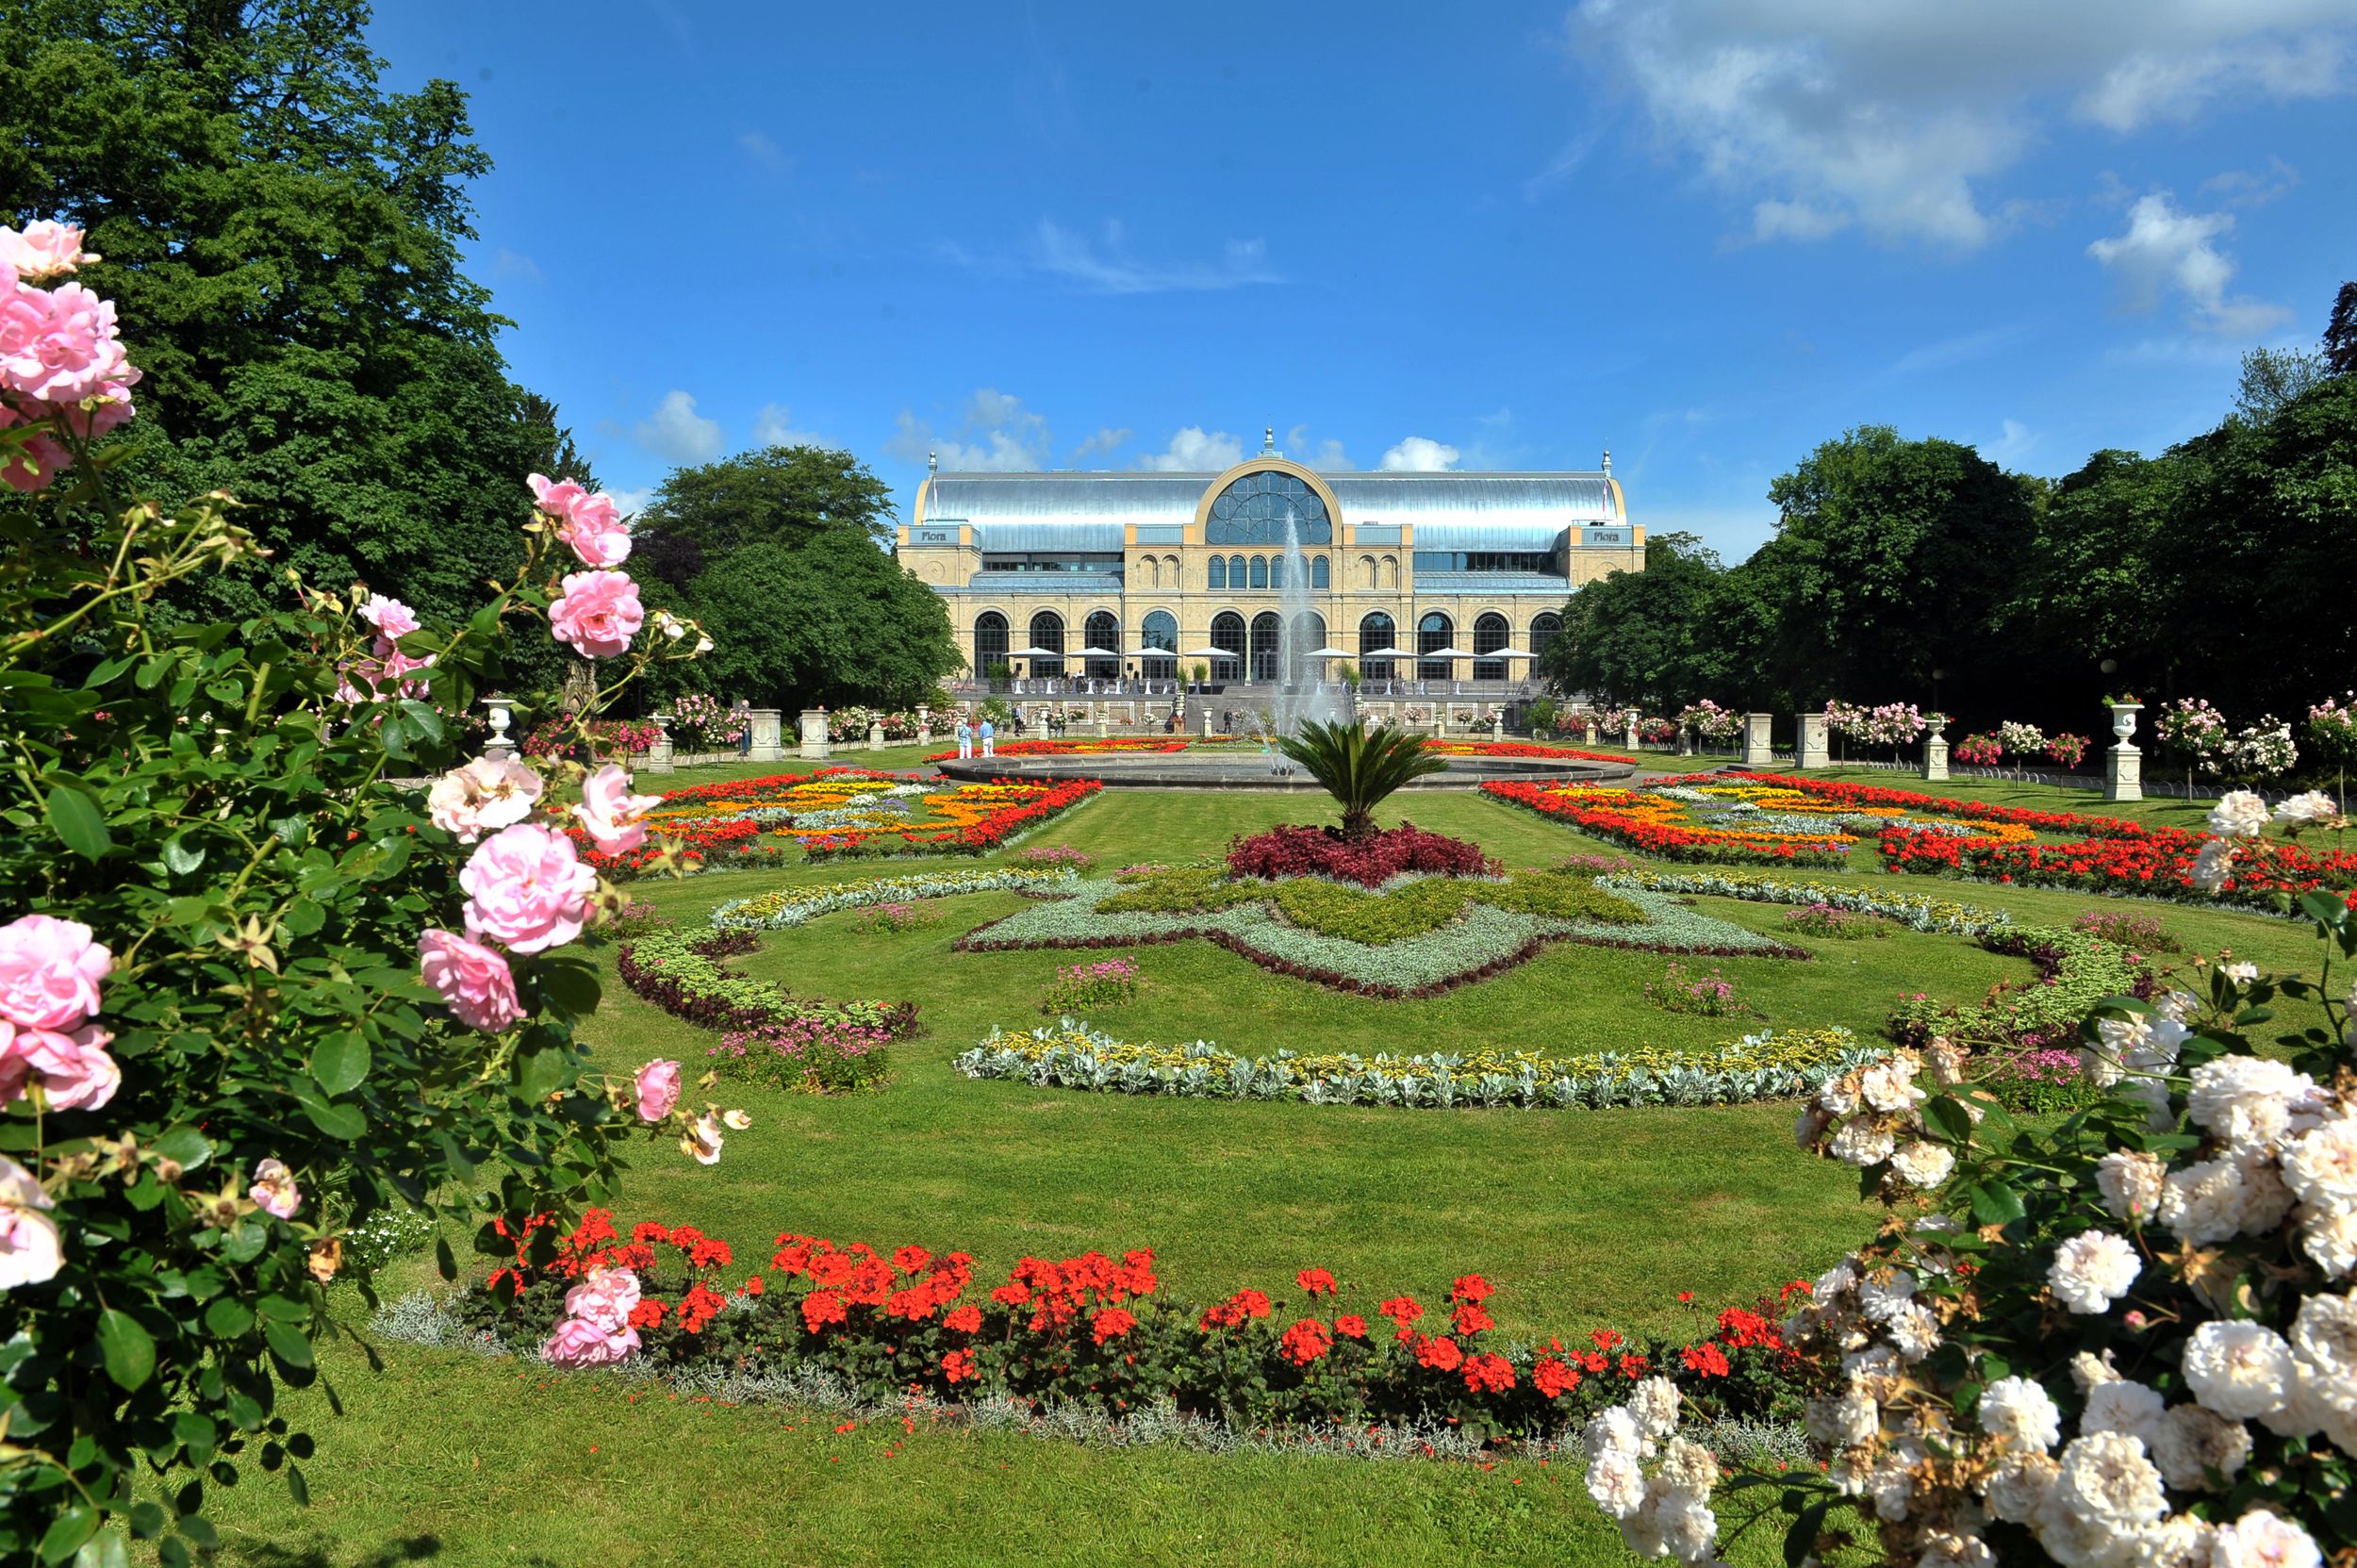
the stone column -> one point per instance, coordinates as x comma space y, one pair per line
659, 756
1934, 755
499, 747
1810, 753
924, 727
1497, 727
1591, 731
1207, 724
875, 735
1632, 735
1440, 717
1104, 727
2123, 764
769, 727
814, 733
1757, 752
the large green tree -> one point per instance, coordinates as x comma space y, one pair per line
282, 235
782, 554
1638, 636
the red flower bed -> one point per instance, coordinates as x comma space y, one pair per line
1307, 851
1100, 1332
2110, 854
1667, 840
1069, 748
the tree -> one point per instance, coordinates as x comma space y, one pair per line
778, 552
2273, 377
1635, 636
2340, 333
282, 237
2092, 590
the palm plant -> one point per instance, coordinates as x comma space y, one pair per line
1358, 768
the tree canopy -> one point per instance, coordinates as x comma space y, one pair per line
281, 233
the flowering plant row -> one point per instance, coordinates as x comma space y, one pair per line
1915, 911
1737, 816
686, 977
571, 737
1515, 749
1147, 744
1098, 1332
2126, 1339
2075, 970
1769, 1065
787, 907
1419, 938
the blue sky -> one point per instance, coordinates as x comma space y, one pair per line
1707, 234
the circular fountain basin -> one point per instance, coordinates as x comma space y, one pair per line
1250, 769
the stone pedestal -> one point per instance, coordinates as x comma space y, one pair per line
875, 737
659, 756
499, 748
1591, 731
1103, 730
2123, 773
1936, 756
1757, 728
814, 733
769, 733
1207, 724
1440, 718
1686, 743
1632, 736
1811, 752
1497, 727
924, 730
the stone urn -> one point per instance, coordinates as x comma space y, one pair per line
2124, 721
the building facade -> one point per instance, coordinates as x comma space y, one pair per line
1151, 574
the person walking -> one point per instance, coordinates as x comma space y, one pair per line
741, 715
990, 737
965, 739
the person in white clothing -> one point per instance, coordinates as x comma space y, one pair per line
990, 739
965, 737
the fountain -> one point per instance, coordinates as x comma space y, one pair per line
1300, 697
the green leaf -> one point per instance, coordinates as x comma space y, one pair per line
286, 1343
129, 1350
443, 1260
1994, 1203
67, 1532
185, 1145
104, 1551
197, 1434
572, 984
337, 1121
228, 1318
76, 821
1800, 1542
539, 1072
340, 1061
297, 1487
1949, 1118
181, 858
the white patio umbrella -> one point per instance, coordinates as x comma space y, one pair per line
1445, 653
1509, 653
1096, 653
1329, 652
1036, 653
1212, 653
1388, 653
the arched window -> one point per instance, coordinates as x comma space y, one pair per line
1102, 629
1257, 507
1319, 573
1149, 572
1267, 642
1218, 579
1170, 569
1276, 573
1391, 571
1544, 628
1432, 633
1235, 574
1375, 631
1158, 631
1367, 578
1260, 571
1227, 637
1489, 635
990, 641
1048, 633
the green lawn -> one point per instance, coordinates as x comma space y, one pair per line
1583, 1219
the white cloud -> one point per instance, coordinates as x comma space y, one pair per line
763, 150
994, 433
676, 430
1820, 114
1194, 450
631, 503
2167, 251
2253, 187
1105, 265
1327, 456
1105, 440
2013, 442
515, 264
774, 427
1419, 454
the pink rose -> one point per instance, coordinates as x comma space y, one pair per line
658, 1090
703, 1141
29, 1249
73, 1069
578, 1343
58, 345
274, 1189
392, 620
482, 795
45, 250
610, 812
473, 979
591, 525
604, 1297
527, 889
49, 971
597, 613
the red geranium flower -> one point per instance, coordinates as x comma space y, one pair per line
958, 1365
1315, 1282
1441, 1353
1351, 1326
1706, 1359
965, 1320
1489, 1374
1471, 1287
1305, 1342
1472, 1317
1111, 1323
1554, 1378
822, 1307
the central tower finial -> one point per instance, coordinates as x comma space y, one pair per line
1268, 441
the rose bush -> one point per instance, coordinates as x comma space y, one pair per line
254, 991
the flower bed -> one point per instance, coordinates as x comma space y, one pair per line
1737, 816
1912, 910
2108, 854
1371, 862
788, 907
685, 976
841, 812
1516, 748
1769, 1065
1139, 744
2076, 971
1486, 928
1099, 1334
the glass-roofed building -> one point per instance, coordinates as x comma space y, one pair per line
1151, 570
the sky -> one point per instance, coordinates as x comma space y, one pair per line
1706, 235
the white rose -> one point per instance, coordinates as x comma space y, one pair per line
2177, 1006
2018, 1486
2247, 1100
1616, 1483
2240, 1370
1923, 1163
2213, 1200
2092, 1270
2122, 1405
2320, 1166
1655, 1405
2305, 811
1880, 1298
1955, 1549
1688, 1466
1611, 1427
2130, 1181
2022, 1414
2090, 1371
1844, 1421
1915, 1331
2181, 1540
1833, 1282
2106, 1479
2212, 865
2241, 973
1890, 1086
2261, 1540
2192, 1442
2329, 1236
1687, 1526
2240, 814
2324, 1342
1861, 1142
